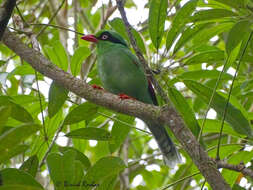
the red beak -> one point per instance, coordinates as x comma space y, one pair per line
90, 38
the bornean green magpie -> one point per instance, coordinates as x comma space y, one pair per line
121, 73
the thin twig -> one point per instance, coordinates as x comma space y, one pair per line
56, 26
124, 175
131, 164
85, 19
180, 180
211, 99
51, 19
41, 108
51, 145
75, 23
21, 16
110, 10
203, 185
9, 58
115, 119
41, 10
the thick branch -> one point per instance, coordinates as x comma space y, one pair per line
239, 168
135, 108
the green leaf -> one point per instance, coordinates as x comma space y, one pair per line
62, 168
7, 154
5, 112
31, 165
90, 133
236, 35
237, 187
212, 126
234, 116
233, 56
108, 183
235, 3
187, 35
2, 62
25, 99
17, 111
208, 32
82, 112
22, 70
81, 53
226, 150
78, 172
12, 176
172, 35
57, 55
139, 41
103, 168
56, 98
204, 74
130, 4
184, 110
120, 131
17, 135
181, 18
211, 14
156, 20
118, 25
206, 57
79, 145
79, 156
56, 168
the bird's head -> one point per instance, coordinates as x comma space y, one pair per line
107, 36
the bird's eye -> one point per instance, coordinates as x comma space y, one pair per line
104, 37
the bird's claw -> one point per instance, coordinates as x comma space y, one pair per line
124, 97
96, 87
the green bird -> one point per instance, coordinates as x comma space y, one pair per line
121, 73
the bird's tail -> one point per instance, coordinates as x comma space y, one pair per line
170, 154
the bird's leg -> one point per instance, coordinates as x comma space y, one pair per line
97, 87
124, 97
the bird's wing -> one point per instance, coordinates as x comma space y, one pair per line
150, 86
152, 92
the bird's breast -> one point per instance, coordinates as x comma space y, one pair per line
119, 74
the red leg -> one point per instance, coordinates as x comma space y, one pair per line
96, 87
124, 97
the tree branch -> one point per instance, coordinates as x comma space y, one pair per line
239, 168
131, 107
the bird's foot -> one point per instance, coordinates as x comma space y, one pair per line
124, 97
97, 87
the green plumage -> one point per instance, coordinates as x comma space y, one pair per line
121, 72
